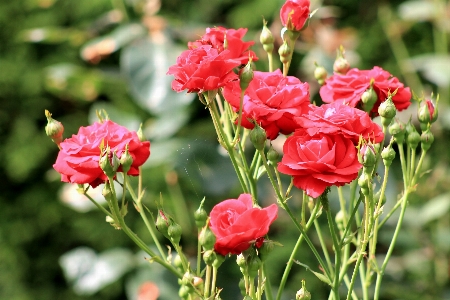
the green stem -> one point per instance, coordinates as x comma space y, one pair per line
267, 285
291, 260
214, 279
336, 244
98, 205
135, 238
207, 281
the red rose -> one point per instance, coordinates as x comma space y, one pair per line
337, 117
271, 100
237, 47
203, 69
237, 224
349, 88
319, 161
294, 14
78, 159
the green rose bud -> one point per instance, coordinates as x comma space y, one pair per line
285, 53
258, 137
174, 231
368, 99
209, 257
246, 75
388, 155
426, 140
412, 136
387, 111
398, 130
266, 38
253, 266
320, 73
54, 129
126, 161
162, 223
207, 238
273, 156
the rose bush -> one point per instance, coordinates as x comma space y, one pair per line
78, 159
319, 161
294, 14
237, 224
216, 38
337, 117
271, 100
203, 69
349, 88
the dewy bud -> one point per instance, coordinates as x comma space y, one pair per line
387, 111
207, 238
246, 75
126, 160
426, 140
258, 137
54, 129
285, 52
266, 38
398, 129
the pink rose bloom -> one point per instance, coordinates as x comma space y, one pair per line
216, 38
337, 117
78, 159
349, 88
271, 100
294, 14
237, 224
319, 161
203, 69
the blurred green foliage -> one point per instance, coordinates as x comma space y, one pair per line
73, 57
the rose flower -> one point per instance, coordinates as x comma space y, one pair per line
337, 117
237, 224
271, 100
217, 36
319, 161
78, 159
349, 88
294, 14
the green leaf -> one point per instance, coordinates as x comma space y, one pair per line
318, 275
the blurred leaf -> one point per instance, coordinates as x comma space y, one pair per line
417, 10
432, 210
53, 35
89, 272
128, 120
145, 64
435, 68
72, 82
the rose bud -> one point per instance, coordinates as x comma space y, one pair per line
184, 291
207, 238
54, 129
368, 158
209, 257
246, 75
427, 113
364, 182
413, 138
258, 137
303, 293
200, 216
126, 160
398, 130
320, 73
285, 52
253, 266
178, 262
266, 38
174, 231
368, 99
162, 223
273, 156
106, 192
388, 155
105, 163
218, 261
387, 111
426, 140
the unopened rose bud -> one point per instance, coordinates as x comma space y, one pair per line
364, 182
207, 238
285, 52
388, 155
200, 216
107, 192
368, 99
368, 157
183, 292
178, 262
266, 38
242, 287
162, 223
427, 113
218, 261
341, 65
246, 75
174, 231
273, 156
253, 266
387, 111
241, 261
187, 279
412, 136
320, 73
265, 250
303, 293
54, 129
398, 130
426, 139
258, 137
209, 257
140, 134
105, 163
126, 160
